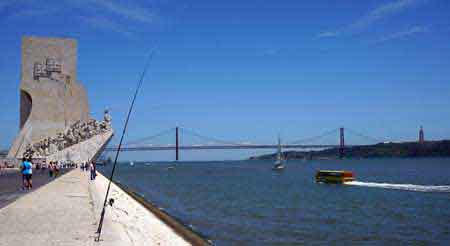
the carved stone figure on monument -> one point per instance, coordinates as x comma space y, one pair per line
90, 129
60, 141
85, 128
41, 148
91, 122
28, 151
48, 146
107, 119
81, 135
29, 148
44, 145
69, 138
97, 127
38, 149
52, 146
38, 145
102, 127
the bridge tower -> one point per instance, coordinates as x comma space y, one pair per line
177, 138
342, 142
421, 136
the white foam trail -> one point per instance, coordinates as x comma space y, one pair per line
409, 187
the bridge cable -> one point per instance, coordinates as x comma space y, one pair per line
192, 132
142, 140
376, 140
311, 139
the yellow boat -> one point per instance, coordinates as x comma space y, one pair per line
335, 177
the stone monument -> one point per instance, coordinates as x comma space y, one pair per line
54, 110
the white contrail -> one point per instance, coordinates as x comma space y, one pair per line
409, 187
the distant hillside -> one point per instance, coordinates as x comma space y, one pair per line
381, 150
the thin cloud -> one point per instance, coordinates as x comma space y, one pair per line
372, 17
135, 13
328, 34
403, 34
100, 14
28, 12
107, 24
271, 52
25, 9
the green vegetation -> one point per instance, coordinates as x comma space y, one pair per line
381, 150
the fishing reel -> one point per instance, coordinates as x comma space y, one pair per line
111, 201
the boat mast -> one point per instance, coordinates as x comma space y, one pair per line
279, 149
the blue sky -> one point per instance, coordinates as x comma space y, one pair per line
248, 70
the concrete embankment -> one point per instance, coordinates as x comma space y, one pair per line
66, 211
181, 229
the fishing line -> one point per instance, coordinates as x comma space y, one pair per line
138, 87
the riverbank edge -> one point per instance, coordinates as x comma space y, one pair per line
176, 225
427, 149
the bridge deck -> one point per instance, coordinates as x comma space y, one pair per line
224, 147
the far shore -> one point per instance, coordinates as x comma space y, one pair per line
439, 148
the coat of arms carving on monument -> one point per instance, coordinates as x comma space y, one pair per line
51, 69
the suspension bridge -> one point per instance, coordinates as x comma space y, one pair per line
176, 133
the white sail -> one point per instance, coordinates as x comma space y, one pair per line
279, 162
279, 150
279, 153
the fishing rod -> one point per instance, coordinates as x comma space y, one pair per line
138, 87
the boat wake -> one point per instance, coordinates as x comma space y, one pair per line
409, 187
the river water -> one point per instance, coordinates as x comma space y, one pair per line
394, 201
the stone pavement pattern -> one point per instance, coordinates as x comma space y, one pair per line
65, 212
59, 213
130, 221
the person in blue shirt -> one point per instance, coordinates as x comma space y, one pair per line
27, 171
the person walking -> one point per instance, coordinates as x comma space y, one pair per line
92, 169
27, 170
56, 169
50, 169
22, 169
95, 169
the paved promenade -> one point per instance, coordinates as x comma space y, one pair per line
11, 183
65, 212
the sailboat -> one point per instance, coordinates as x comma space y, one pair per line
173, 166
279, 164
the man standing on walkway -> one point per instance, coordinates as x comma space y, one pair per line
92, 169
27, 170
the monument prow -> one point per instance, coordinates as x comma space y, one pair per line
54, 109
